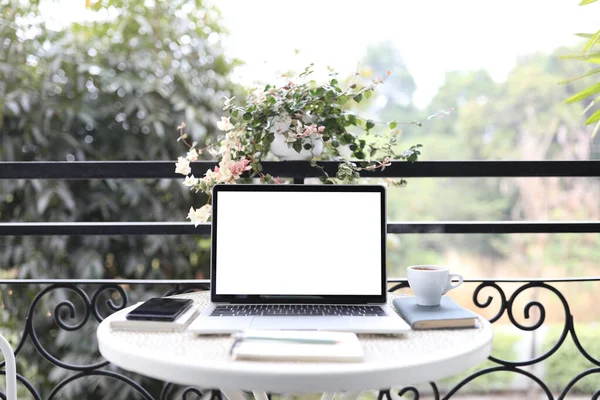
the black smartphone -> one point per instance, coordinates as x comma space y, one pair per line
160, 309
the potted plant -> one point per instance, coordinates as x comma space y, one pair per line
298, 120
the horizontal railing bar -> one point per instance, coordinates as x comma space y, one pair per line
297, 169
207, 281
186, 228
102, 228
106, 281
494, 227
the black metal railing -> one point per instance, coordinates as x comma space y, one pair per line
97, 298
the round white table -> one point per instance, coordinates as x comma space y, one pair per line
203, 361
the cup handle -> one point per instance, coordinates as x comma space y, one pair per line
451, 285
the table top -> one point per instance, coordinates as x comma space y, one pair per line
204, 361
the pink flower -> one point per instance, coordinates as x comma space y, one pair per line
311, 130
237, 168
277, 180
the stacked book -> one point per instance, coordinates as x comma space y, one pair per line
446, 315
120, 322
288, 345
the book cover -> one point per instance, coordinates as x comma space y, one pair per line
346, 348
447, 315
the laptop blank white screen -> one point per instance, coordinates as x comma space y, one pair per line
298, 243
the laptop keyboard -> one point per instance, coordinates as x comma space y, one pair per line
252, 310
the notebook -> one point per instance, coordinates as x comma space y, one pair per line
346, 348
447, 315
120, 322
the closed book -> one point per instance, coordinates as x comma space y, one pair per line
446, 315
120, 322
303, 347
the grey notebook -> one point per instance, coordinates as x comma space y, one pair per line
447, 315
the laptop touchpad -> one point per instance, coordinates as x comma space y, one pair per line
287, 323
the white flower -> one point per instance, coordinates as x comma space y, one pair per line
225, 146
192, 155
200, 215
224, 124
190, 181
225, 174
182, 166
210, 175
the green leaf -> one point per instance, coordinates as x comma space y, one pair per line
333, 82
392, 125
347, 138
593, 58
585, 35
307, 146
343, 100
584, 93
370, 124
586, 2
297, 146
357, 98
595, 117
368, 94
592, 72
591, 43
247, 116
352, 119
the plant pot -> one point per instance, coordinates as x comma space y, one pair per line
280, 148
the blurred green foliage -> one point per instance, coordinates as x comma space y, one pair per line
522, 118
568, 362
113, 86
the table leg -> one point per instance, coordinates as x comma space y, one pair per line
328, 396
260, 395
350, 395
234, 394
394, 395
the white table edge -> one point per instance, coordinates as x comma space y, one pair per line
268, 376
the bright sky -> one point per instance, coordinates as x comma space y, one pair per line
433, 36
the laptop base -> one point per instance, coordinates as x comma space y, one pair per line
389, 324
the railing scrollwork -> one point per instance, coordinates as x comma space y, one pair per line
72, 316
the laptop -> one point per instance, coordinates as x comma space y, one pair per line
298, 257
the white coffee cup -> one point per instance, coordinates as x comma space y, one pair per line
430, 282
